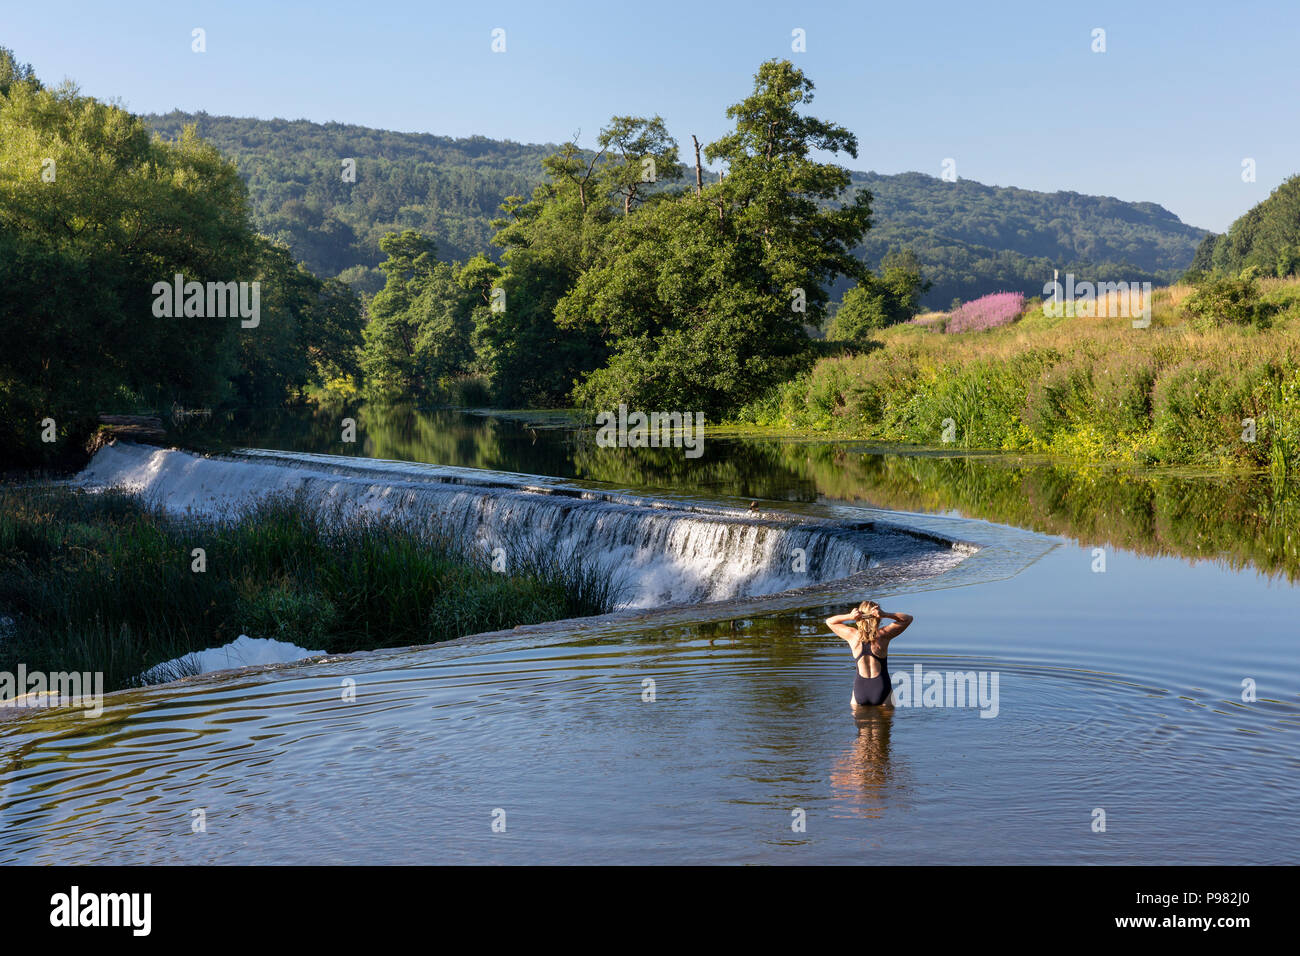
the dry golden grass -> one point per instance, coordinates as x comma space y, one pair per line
1172, 296
1273, 284
1112, 304
1169, 332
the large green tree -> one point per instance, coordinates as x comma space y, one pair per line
549, 240
418, 335
93, 212
96, 212
704, 299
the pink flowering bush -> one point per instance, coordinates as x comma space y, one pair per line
988, 312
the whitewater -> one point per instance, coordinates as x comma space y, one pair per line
661, 551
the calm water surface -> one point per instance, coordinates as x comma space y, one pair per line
1119, 692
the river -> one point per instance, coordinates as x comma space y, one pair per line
1130, 642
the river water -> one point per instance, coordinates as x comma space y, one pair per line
1134, 639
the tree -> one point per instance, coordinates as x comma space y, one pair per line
877, 302
572, 166
777, 193
703, 299
93, 212
335, 332
548, 241
1266, 237
11, 72
420, 322
309, 332
640, 154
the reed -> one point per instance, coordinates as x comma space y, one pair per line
105, 581
1179, 392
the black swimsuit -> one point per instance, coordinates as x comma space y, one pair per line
871, 690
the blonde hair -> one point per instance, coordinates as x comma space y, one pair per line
869, 625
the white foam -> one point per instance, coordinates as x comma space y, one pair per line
241, 652
660, 551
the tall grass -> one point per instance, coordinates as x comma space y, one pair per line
1178, 392
934, 321
105, 582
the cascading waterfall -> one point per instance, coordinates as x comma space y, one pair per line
660, 551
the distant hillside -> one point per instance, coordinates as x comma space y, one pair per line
448, 188
1267, 237
973, 239
970, 238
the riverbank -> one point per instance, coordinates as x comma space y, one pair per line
106, 582
1179, 392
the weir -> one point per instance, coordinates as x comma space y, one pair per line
660, 551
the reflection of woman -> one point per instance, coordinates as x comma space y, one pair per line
869, 643
862, 775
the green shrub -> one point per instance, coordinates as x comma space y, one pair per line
1059, 398
1122, 384
469, 391
1110, 394
1228, 300
1199, 406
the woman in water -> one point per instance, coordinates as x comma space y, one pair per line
868, 642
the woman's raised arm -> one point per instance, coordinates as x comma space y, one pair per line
836, 624
898, 627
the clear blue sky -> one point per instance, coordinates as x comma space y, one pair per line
1011, 91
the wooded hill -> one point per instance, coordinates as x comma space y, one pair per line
1267, 238
970, 238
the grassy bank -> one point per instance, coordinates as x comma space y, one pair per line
1174, 393
105, 582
